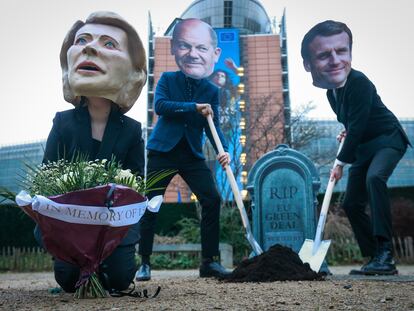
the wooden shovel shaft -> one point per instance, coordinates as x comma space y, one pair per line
325, 206
237, 196
230, 175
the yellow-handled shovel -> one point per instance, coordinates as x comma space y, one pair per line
314, 252
237, 196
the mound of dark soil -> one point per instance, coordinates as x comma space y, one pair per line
279, 263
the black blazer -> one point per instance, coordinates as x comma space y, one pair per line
71, 133
369, 124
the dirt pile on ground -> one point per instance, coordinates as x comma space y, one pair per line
279, 263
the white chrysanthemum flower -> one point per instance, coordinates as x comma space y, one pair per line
125, 174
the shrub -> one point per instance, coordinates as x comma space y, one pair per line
231, 231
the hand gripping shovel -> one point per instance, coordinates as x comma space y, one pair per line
314, 252
237, 196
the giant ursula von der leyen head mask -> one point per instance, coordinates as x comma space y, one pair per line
103, 57
194, 46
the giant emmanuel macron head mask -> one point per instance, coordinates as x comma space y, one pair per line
194, 46
103, 57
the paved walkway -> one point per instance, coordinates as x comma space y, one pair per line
37, 280
344, 270
406, 274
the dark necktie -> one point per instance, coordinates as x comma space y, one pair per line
189, 89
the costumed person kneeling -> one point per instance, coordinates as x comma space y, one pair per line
375, 141
183, 100
104, 69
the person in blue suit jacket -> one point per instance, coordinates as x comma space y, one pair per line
375, 140
183, 99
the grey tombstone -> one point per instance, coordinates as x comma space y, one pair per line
283, 185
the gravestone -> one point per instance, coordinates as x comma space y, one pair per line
283, 185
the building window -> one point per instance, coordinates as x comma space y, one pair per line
207, 20
151, 64
251, 25
150, 100
228, 14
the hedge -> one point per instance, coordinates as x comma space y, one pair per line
16, 228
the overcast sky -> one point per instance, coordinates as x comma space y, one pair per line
32, 32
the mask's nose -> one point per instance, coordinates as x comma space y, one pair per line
334, 59
90, 50
193, 53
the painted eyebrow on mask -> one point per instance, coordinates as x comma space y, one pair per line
101, 38
323, 54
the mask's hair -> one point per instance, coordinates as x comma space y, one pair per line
178, 26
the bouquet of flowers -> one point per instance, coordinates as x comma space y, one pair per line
84, 210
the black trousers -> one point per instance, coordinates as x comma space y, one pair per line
120, 268
199, 178
367, 183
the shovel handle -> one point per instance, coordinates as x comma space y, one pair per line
325, 204
234, 188
230, 175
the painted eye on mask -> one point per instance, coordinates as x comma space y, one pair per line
81, 41
110, 45
183, 47
202, 49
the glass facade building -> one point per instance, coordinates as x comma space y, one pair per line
326, 145
259, 51
14, 160
248, 16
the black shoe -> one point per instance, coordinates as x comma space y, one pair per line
143, 273
382, 263
213, 269
360, 271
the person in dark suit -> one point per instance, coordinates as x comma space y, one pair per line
375, 140
183, 99
104, 69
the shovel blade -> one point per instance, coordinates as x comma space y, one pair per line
314, 259
257, 250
